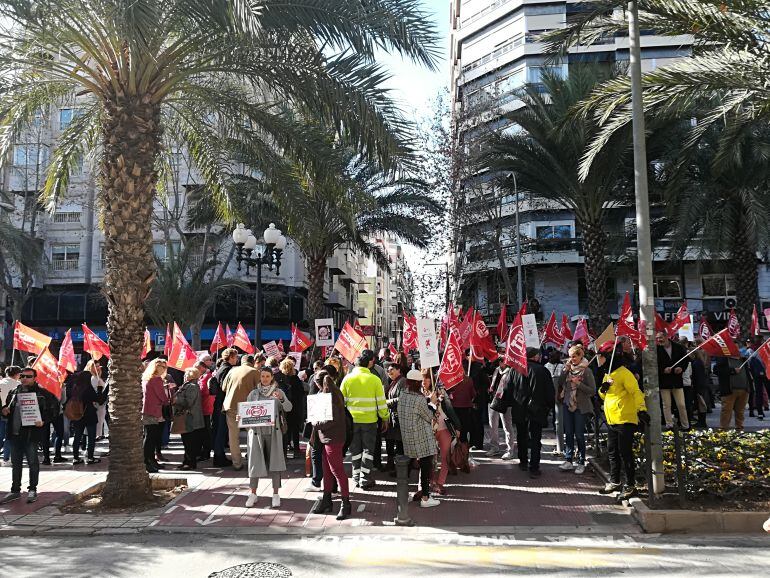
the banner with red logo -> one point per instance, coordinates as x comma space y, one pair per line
67, 361
721, 345
733, 325
299, 341
704, 331
551, 333
409, 336
146, 344
451, 371
219, 341
466, 328
681, 319
350, 343
481, 341
581, 332
393, 350
357, 327
27, 339
182, 355
565, 329
47, 367
754, 322
661, 325
502, 323
516, 347
241, 340
764, 353
93, 344
229, 336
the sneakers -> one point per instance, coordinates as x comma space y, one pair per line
58, 460
367, 485
429, 503
251, 500
579, 469
627, 493
492, 452
31, 496
566, 466
276, 501
609, 488
312, 488
507, 456
10, 497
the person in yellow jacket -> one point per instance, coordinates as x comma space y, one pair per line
365, 400
624, 407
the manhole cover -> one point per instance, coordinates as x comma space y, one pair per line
254, 570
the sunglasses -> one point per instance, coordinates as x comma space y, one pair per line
26, 376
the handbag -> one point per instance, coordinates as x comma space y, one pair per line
179, 423
458, 457
167, 412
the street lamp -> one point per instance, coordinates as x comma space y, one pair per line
247, 252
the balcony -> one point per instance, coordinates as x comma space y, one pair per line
65, 264
335, 300
336, 266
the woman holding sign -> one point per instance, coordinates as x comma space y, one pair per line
265, 443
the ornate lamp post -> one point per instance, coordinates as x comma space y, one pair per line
247, 252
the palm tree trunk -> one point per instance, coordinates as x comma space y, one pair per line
744, 263
594, 249
504, 268
131, 141
316, 275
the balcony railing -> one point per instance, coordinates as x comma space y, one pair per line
65, 264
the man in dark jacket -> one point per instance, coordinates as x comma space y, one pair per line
532, 400
219, 431
27, 437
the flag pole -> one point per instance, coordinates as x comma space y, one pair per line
612, 357
753, 353
693, 351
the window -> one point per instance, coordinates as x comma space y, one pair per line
554, 232
65, 117
535, 73
65, 256
26, 155
718, 285
511, 82
66, 217
667, 288
162, 252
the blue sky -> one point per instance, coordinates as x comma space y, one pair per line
415, 86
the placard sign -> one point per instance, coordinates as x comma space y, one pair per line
30, 410
687, 330
271, 349
319, 408
529, 324
324, 332
427, 344
257, 413
297, 357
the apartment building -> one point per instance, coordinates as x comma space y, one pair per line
64, 289
493, 52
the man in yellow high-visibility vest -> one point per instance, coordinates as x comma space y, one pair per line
365, 399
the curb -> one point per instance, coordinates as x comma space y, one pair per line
694, 521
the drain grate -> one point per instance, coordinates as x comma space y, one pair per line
254, 570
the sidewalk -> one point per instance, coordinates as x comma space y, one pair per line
495, 494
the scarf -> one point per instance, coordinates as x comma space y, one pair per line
574, 377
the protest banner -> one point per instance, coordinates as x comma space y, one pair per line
272, 350
29, 408
27, 339
257, 413
350, 343
48, 375
687, 330
324, 332
531, 335
427, 343
297, 357
319, 408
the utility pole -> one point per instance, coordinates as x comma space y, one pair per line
519, 290
644, 253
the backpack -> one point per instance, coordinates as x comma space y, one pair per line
74, 410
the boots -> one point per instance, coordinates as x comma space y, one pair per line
323, 505
344, 509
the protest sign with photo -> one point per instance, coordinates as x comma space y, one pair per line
324, 332
257, 413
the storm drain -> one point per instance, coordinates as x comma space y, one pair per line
254, 570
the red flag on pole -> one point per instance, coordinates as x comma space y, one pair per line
67, 361
241, 340
516, 347
551, 333
357, 326
147, 344
466, 328
733, 325
350, 343
764, 354
27, 339
182, 355
219, 341
299, 340
481, 341
705, 330
48, 376
168, 342
581, 332
681, 319
451, 372
229, 336
626, 325
409, 336
92, 343
660, 324
392, 349
754, 322
565, 329
502, 322
721, 345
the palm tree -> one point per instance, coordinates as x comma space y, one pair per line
198, 68
544, 158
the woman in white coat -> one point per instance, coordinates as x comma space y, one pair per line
101, 409
265, 444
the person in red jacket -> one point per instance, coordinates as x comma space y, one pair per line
205, 365
155, 396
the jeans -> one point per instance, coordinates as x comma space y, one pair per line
234, 435
494, 429
59, 434
620, 449
333, 468
220, 434
316, 460
5, 443
558, 423
426, 469
24, 447
101, 421
762, 387
394, 448
529, 435
165, 436
574, 427
152, 435
80, 427
362, 451
206, 441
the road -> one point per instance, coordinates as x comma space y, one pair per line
408, 555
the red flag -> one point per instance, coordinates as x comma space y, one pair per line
350, 343
466, 328
626, 325
581, 332
392, 349
147, 345
299, 341
182, 355
681, 319
67, 360
721, 345
280, 347
326, 351
219, 341
705, 330
241, 340
357, 327
733, 325
27, 339
92, 343
167, 343
565, 330
502, 322
754, 322
451, 370
409, 337
48, 376
481, 341
661, 325
516, 347
551, 334
764, 354
229, 336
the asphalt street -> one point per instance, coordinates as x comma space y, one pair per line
450, 554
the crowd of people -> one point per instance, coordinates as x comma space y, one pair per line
385, 398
